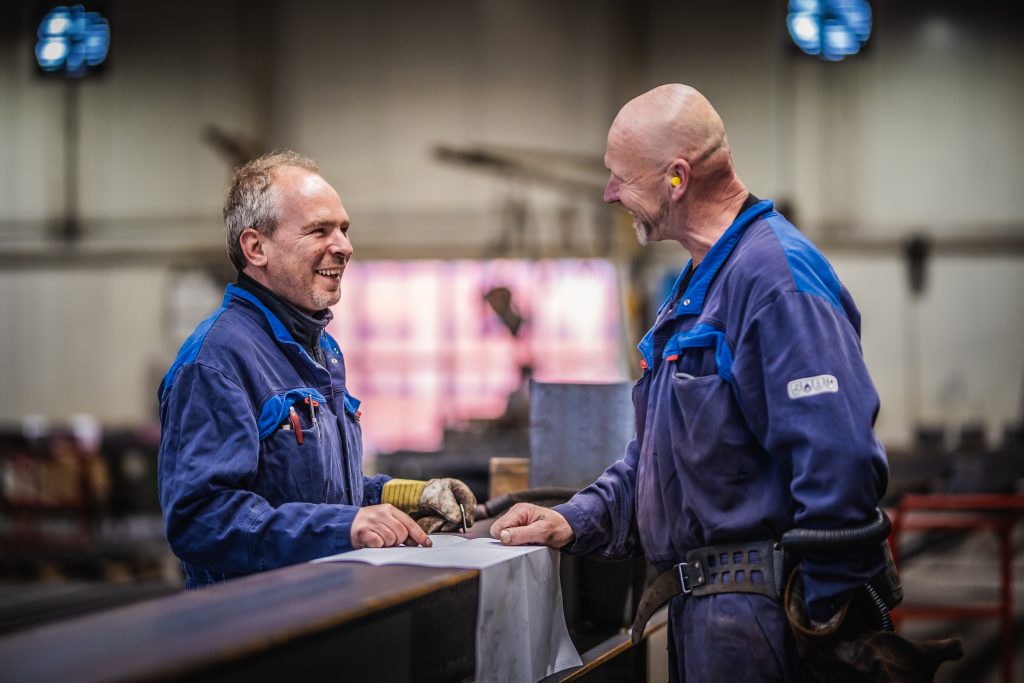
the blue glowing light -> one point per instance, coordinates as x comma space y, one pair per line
832, 29
72, 40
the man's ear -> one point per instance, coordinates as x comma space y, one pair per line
253, 246
679, 177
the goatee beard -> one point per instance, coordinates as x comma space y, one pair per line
322, 300
642, 232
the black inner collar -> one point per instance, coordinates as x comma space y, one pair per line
304, 329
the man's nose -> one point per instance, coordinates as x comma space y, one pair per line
341, 245
611, 190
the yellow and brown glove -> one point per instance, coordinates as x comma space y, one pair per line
436, 505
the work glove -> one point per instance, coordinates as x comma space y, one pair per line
436, 505
849, 648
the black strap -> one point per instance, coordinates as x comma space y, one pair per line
737, 568
732, 568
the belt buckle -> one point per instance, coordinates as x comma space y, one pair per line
682, 575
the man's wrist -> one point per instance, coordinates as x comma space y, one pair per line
404, 494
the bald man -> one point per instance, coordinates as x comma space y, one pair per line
754, 414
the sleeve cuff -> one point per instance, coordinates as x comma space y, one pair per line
373, 488
343, 542
578, 521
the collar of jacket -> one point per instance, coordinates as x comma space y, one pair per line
692, 300
304, 328
277, 328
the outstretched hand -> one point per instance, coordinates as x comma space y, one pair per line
384, 526
525, 523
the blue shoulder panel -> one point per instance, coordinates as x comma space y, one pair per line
810, 270
189, 351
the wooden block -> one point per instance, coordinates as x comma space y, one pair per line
508, 475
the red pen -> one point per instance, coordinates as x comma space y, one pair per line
293, 417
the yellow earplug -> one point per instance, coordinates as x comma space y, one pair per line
676, 181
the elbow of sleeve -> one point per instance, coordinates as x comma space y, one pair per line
179, 538
199, 541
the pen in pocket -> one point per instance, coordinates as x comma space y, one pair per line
293, 417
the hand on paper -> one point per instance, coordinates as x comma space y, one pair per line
383, 526
526, 523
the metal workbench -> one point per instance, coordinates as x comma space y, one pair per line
354, 622
311, 621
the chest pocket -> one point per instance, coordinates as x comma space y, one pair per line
277, 409
699, 352
299, 447
702, 427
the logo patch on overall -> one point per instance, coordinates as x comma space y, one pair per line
811, 386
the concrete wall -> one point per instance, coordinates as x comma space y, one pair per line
920, 133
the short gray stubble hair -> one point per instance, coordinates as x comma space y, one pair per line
252, 200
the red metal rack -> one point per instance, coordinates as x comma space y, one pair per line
965, 513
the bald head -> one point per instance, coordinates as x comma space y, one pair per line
671, 168
667, 122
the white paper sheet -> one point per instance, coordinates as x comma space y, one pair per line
521, 633
448, 551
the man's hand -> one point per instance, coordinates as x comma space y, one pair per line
383, 526
526, 523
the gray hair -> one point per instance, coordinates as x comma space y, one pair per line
252, 200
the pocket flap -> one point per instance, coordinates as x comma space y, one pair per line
700, 337
275, 408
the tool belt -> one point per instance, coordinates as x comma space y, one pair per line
757, 567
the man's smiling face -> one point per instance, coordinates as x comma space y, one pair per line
307, 254
636, 186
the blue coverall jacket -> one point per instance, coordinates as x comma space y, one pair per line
754, 415
240, 494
